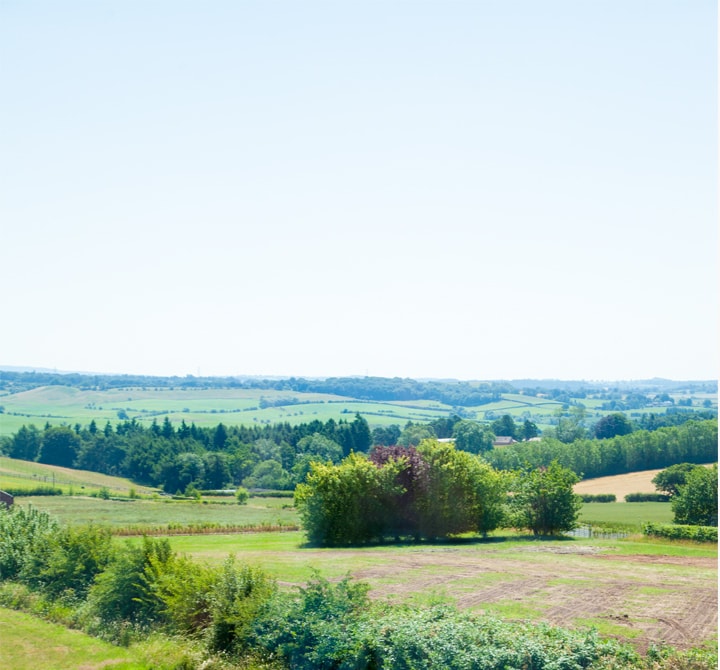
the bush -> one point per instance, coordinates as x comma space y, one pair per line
242, 495
598, 497
234, 602
682, 532
647, 497
73, 556
24, 534
336, 626
127, 590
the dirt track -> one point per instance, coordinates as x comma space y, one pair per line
644, 599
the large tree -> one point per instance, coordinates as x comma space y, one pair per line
696, 502
543, 500
60, 446
612, 425
473, 437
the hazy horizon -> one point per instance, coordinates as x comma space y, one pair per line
469, 190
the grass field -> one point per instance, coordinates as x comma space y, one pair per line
15, 473
154, 513
28, 643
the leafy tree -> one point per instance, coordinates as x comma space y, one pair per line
473, 437
268, 475
696, 503
505, 426
612, 425
413, 480
217, 471
347, 503
386, 436
320, 447
461, 492
529, 430
60, 446
25, 444
569, 429
670, 479
414, 434
543, 500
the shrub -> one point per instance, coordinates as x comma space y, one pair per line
647, 497
24, 534
336, 626
234, 603
70, 561
242, 495
127, 590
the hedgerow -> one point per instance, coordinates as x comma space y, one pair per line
682, 532
646, 497
598, 497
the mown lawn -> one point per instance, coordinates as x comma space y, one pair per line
29, 643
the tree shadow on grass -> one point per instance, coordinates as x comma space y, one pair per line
460, 541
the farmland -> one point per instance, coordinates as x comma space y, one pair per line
640, 590
213, 401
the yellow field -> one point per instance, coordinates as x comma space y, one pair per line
620, 485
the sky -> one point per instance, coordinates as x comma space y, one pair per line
485, 189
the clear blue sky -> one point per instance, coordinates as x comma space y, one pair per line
478, 190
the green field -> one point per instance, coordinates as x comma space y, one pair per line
17, 474
210, 406
625, 515
163, 512
204, 407
28, 643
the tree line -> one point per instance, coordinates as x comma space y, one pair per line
693, 441
271, 457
